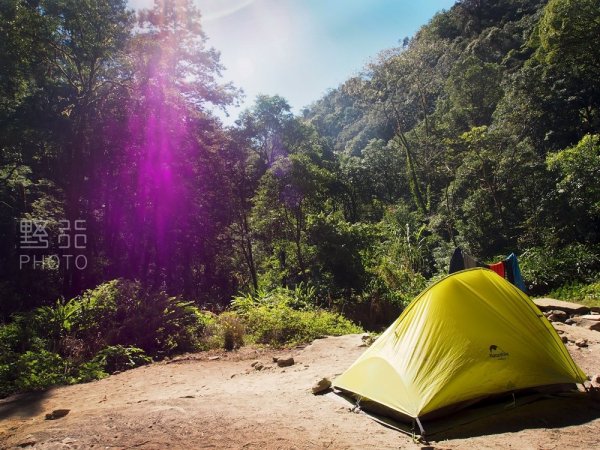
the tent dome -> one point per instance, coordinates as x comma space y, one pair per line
469, 336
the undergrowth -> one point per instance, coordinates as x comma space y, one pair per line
119, 326
586, 294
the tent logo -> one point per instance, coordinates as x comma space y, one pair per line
497, 353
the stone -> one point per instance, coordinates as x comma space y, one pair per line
558, 316
286, 361
213, 358
324, 384
551, 304
255, 363
596, 378
569, 321
367, 340
595, 317
593, 325
564, 339
259, 366
28, 441
581, 343
57, 414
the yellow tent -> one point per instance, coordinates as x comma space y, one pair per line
469, 336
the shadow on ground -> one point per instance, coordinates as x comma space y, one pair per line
500, 416
547, 412
22, 406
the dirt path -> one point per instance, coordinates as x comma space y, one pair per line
201, 401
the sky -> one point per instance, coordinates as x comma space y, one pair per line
300, 49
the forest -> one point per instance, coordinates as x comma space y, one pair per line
134, 224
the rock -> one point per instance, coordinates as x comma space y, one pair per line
213, 358
564, 339
29, 441
255, 363
324, 384
275, 358
57, 414
569, 321
581, 343
286, 361
595, 317
547, 304
558, 316
596, 378
593, 325
259, 366
367, 340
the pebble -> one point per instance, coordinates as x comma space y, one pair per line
324, 384
286, 361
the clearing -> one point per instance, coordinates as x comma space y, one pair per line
218, 400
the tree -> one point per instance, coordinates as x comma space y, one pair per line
566, 42
266, 124
579, 182
167, 233
474, 89
495, 184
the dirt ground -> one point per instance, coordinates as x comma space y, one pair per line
217, 400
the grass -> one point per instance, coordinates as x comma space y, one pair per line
585, 294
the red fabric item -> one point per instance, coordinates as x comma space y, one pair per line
498, 268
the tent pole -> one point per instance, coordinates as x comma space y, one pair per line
421, 429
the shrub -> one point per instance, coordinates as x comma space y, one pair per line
281, 318
89, 371
39, 370
547, 268
111, 327
587, 294
7, 380
117, 358
55, 322
16, 338
120, 312
232, 329
282, 325
299, 298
